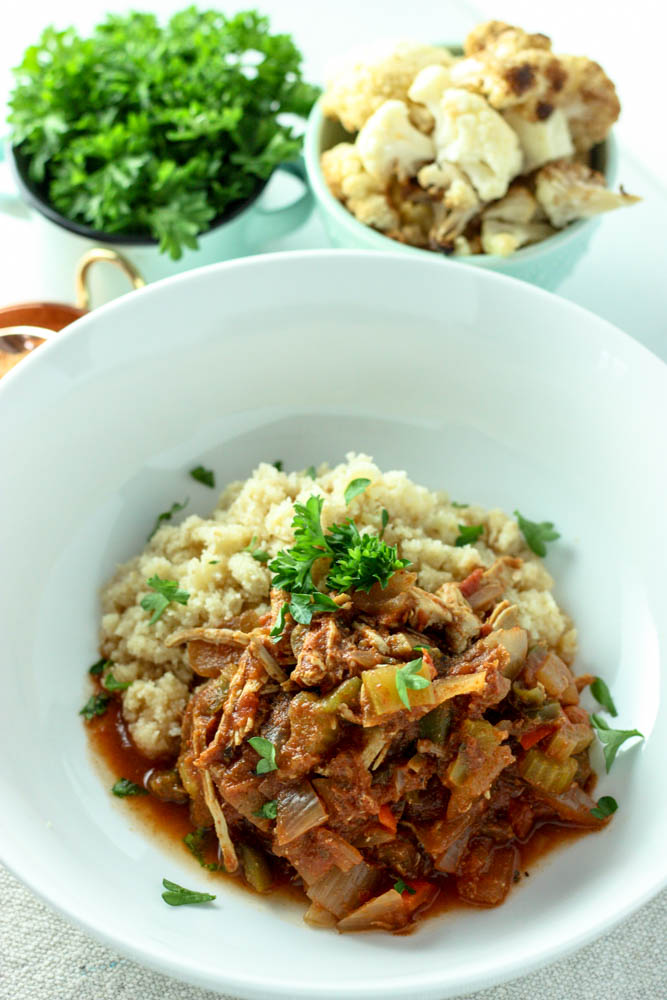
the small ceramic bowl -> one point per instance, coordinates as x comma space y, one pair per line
238, 232
545, 264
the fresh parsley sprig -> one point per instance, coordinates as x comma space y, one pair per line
195, 843
166, 591
111, 684
203, 475
354, 488
125, 787
604, 807
167, 515
177, 895
357, 562
537, 534
268, 811
612, 739
602, 695
97, 704
267, 753
401, 886
468, 534
99, 667
408, 676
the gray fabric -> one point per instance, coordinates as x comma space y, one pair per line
42, 957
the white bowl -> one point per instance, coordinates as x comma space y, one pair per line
489, 387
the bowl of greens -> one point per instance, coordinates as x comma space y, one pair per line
159, 139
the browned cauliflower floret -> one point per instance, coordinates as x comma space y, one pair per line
567, 191
362, 194
518, 205
358, 90
589, 101
493, 32
503, 238
455, 201
515, 70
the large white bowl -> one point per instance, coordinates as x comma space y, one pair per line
487, 386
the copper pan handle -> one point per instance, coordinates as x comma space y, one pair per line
96, 256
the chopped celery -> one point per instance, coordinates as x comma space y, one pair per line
380, 689
569, 740
545, 773
311, 729
534, 696
342, 695
256, 868
435, 725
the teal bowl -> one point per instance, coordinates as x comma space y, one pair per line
546, 264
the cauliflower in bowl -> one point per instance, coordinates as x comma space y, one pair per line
485, 152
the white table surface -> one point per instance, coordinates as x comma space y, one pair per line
623, 278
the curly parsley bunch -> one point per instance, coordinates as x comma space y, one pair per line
144, 129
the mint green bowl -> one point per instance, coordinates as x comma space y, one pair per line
546, 264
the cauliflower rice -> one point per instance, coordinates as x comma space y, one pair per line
207, 558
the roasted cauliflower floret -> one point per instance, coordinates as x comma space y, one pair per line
541, 141
469, 133
518, 205
588, 100
503, 238
455, 202
529, 77
363, 195
502, 37
389, 144
567, 191
359, 89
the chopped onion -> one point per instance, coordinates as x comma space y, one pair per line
299, 810
317, 916
341, 892
515, 642
385, 912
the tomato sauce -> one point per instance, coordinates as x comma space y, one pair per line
170, 822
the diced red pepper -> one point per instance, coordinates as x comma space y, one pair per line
529, 740
471, 582
387, 818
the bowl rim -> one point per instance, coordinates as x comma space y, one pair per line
312, 150
255, 983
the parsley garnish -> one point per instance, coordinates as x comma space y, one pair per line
268, 811
176, 895
468, 534
98, 667
166, 591
402, 887
279, 465
357, 561
266, 751
111, 684
354, 488
537, 534
409, 677
385, 520
279, 627
605, 807
203, 475
259, 554
97, 704
602, 694
612, 739
460, 506
167, 515
157, 129
213, 562
311, 471
195, 844
125, 787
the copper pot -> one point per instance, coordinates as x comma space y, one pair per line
29, 324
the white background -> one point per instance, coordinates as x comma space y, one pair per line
628, 37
